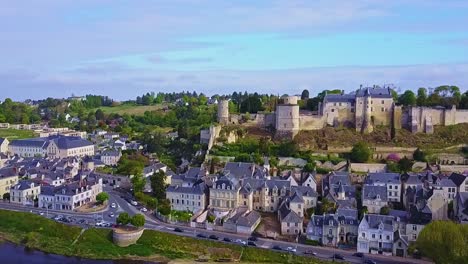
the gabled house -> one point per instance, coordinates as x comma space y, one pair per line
289, 218
460, 180
24, 192
4, 145
376, 234
374, 198
460, 207
389, 180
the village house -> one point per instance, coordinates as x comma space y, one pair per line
391, 181
374, 198
25, 192
189, 196
111, 157
376, 234
4, 145
6, 183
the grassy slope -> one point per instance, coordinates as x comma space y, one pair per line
129, 109
47, 235
12, 134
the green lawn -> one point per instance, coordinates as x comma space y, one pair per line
49, 236
12, 134
129, 109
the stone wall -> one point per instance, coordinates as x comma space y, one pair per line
368, 167
124, 238
461, 116
311, 122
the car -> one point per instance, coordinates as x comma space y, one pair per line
99, 224
240, 241
178, 229
276, 247
227, 239
214, 237
252, 238
358, 254
201, 236
81, 221
41, 213
369, 261
144, 209
291, 249
113, 205
338, 256
135, 203
251, 243
111, 214
310, 252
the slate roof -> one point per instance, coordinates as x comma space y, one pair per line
457, 178
375, 92
23, 185
226, 181
286, 214
374, 221
401, 214
30, 142
445, 182
340, 98
371, 192
248, 219
111, 153
305, 191
296, 198
239, 169
71, 142
1, 140
373, 178
194, 189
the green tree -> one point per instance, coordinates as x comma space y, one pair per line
99, 114
305, 94
138, 183
405, 164
384, 210
422, 97
408, 98
444, 242
6, 196
361, 152
164, 207
102, 197
419, 155
309, 167
158, 185
138, 220
123, 219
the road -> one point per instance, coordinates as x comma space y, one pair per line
152, 223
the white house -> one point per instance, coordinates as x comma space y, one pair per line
4, 145
111, 157
32, 147
188, 197
390, 180
375, 234
374, 198
24, 192
62, 147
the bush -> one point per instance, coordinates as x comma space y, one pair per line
138, 220
418, 155
312, 242
164, 207
361, 152
211, 218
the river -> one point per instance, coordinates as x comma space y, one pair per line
16, 254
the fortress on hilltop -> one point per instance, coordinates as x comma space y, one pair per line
362, 109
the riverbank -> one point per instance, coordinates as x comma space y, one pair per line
46, 235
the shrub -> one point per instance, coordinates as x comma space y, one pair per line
138, 220
123, 219
102, 197
361, 152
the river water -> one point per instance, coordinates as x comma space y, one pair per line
16, 254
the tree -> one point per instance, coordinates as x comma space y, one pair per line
305, 94
6, 196
158, 184
418, 155
384, 210
138, 183
325, 207
123, 219
164, 207
405, 164
138, 220
444, 242
361, 152
407, 98
309, 167
99, 114
422, 97
102, 197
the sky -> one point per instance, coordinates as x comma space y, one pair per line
124, 48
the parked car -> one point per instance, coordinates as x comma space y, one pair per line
276, 247
358, 254
369, 261
177, 229
338, 256
113, 205
135, 203
310, 252
291, 249
227, 239
240, 241
41, 213
252, 238
214, 237
144, 210
251, 243
201, 235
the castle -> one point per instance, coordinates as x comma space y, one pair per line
362, 109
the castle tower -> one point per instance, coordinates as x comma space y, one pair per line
287, 117
367, 126
223, 112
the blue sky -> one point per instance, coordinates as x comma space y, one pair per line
123, 48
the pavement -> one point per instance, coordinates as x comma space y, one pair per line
122, 205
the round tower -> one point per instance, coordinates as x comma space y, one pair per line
223, 112
287, 117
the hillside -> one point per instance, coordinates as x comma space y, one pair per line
345, 137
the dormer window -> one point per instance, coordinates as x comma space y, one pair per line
330, 222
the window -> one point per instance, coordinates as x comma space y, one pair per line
333, 110
415, 228
383, 101
388, 237
372, 109
363, 234
414, 237
390, 187
396, 187
330, 231
373, 235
